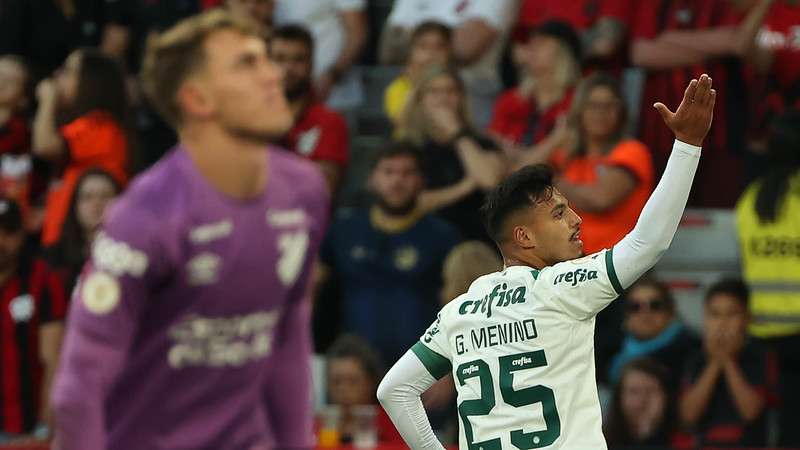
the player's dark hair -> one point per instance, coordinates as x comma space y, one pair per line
664, 292
618, 432
431, 26
394, 150
294, 33
784, 162
523, 189
349, 346
734, 287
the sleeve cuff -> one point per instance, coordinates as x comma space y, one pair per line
689, 149
436, 364
612, 273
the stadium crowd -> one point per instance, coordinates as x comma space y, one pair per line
412, 110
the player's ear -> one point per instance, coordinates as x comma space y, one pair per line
523, 236
194, 100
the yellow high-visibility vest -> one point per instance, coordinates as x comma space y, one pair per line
771, 262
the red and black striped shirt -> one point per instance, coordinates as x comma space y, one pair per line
35, 295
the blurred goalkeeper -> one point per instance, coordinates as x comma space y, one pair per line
189, 328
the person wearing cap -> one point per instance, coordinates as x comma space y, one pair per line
33, 303
530, 114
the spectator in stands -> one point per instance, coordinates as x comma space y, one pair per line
319, 133
82, 122
682, 41
606, 177
642, 412
770, 48
430, 45
388, 258
480, 30
602, 24
654, 330
458, 162
526, 115
15, 136
340, 33
131, 22
726, 384
94, 192
33, 303
464, 264
768, 221
45, 32
14, 132
354, 371
769, 42
260, 11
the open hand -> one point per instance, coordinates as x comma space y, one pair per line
692, 120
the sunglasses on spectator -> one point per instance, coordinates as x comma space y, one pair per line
653, 304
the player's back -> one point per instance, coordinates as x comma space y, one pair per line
521, 346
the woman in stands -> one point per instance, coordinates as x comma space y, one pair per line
354, 370
642, 412
606, 177
94, 192
82, 122
430, 45
458, 162
526, 115
654, 329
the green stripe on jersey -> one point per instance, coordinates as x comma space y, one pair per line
437, 365
612, 274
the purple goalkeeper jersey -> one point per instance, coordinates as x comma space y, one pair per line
189, 328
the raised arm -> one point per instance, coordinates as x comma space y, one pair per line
47, 141
643, 246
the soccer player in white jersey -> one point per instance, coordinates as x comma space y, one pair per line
520, 343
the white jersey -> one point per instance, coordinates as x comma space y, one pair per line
520, 346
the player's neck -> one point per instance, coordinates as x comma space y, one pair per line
234, 166
527, 261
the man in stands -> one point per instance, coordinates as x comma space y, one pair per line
319, 133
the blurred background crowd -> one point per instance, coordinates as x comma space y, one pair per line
413, 109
